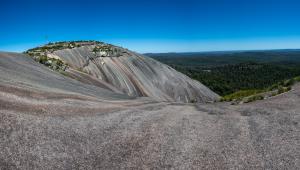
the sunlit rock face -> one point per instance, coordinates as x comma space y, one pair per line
131, 73
51, 121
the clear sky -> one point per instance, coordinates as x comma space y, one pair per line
153, 25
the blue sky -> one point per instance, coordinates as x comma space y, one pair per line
153, 25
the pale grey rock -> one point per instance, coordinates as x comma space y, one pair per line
137, 75
49, 121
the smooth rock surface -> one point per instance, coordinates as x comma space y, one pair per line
137, 75
48, 121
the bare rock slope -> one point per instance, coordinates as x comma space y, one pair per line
129, 73
50, 121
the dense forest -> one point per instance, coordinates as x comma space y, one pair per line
229, 72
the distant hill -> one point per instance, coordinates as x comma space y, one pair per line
228, 57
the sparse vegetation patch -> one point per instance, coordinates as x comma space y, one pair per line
247, 96
53, 63
106, 50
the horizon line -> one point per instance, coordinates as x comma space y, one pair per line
234, 50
